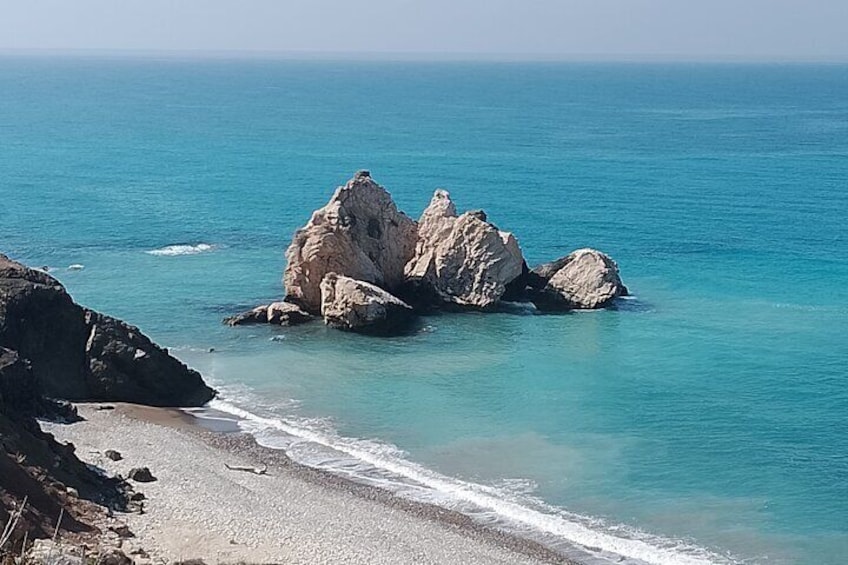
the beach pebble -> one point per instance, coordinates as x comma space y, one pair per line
141, 475
123, 531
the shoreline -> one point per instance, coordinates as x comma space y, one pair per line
419, 532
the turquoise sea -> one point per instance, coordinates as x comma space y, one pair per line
703, 421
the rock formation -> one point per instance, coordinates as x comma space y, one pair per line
462, 260
80, 355
584, 279
125, 366
36, 467
359, 234
358, 306
40, 321
276, 313
360, 261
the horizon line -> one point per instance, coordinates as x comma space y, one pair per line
420, 56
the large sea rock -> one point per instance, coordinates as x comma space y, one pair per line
358, 306
360, 234
461, 260
77, 354
583, 280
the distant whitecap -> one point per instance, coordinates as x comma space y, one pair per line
76, 267
176, 250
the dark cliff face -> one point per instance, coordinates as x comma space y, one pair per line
40, 321
124, 365
50, 347
80, 355
33, 466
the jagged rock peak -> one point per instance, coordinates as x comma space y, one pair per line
359, 233
462, 260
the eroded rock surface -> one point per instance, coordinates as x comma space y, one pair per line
360, 233
462, 260
358, 306
584, 279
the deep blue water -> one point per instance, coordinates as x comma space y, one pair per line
705, 419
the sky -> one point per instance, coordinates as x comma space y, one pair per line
567, 29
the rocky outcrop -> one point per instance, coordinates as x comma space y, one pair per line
276, 313
33, 466
80, 355
359, 234
125, 366
584, 279
40, 321
358, 306
359, 259
462, 260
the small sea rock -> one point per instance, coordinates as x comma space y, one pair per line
141, 475
585, 279
113, 455
358, 306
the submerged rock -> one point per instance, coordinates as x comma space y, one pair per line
358, 306
462, 260
360, 233
276, 313
80, 355
584, 279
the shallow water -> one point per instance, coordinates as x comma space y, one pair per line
704, 419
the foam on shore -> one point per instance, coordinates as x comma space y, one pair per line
581, 538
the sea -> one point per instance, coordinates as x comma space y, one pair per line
702, 420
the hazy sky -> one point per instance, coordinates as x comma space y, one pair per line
681, 29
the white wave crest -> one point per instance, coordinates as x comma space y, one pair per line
176, 250
588, 536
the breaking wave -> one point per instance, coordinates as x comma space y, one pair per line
177, 250
508, 507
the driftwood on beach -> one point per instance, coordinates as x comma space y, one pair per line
255, 470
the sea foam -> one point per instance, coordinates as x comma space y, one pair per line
177, 250
584, 539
